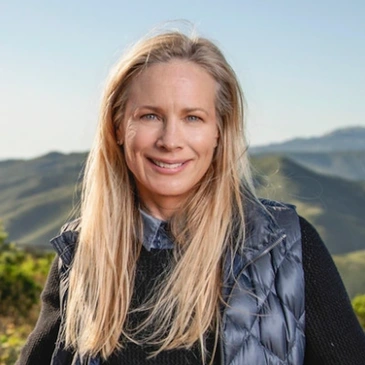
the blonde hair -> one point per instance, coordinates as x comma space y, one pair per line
101, 281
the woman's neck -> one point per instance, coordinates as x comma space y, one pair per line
162, 208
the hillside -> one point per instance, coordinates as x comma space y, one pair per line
36, 196
333, 205
345, 139
346, 164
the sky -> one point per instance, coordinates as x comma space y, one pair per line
301, 64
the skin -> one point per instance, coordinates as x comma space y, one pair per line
169, 133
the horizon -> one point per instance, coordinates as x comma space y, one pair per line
300, 65
65, 153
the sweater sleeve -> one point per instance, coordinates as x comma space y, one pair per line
41, 342
333, 333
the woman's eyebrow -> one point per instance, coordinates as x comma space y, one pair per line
149, 107
159, 110
197, 109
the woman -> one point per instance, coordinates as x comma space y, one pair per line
174, 259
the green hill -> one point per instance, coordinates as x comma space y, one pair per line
332, 204
36, 196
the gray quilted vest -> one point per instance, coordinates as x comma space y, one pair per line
263, 321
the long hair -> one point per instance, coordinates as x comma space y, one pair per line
101, 281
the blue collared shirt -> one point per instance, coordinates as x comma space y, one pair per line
155, 233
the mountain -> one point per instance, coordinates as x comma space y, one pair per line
333, 205
36, 197
346, 164
345, 139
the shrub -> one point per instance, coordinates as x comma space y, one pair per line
358, 303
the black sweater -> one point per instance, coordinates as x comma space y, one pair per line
333, 334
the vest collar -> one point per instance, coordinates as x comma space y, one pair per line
262, 232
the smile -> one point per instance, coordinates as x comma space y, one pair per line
167, 165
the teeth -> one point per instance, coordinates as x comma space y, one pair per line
167, 165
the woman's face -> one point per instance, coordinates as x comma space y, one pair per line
169, 131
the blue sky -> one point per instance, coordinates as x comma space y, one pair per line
300, 63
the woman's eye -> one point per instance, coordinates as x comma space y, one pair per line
149, 117
193, 118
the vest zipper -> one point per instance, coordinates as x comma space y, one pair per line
263, 253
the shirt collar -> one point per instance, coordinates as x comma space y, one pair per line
155, 233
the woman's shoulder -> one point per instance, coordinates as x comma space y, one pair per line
276, 204
280, 215
313, 245
272, 208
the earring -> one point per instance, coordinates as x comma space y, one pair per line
119, 143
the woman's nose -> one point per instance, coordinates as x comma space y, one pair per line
171, 136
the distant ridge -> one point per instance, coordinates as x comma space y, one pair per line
348, 132
343, 139
334, 205
346, 164
37, 195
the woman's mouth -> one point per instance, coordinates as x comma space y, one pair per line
167, 165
